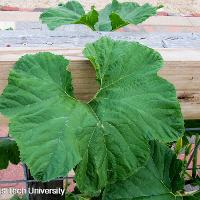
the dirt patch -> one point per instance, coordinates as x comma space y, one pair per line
182, 7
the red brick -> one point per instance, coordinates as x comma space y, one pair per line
196, 15
13, 172
11, 8
3, 131
163, 14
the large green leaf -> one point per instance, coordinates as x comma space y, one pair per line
116, 15
155, 181
43, 115
127, 73
131, 98
70, 13
8, 153
55, 131
112, 17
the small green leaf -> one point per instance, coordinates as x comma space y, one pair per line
8, 153
179, 145
89, 19
70, 13
155, 181
104, 23
116, 21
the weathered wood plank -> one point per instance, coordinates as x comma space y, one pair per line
17, 16
30, 20
78, 38
182, 68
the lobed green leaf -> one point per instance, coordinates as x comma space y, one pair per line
70, 13
117, 15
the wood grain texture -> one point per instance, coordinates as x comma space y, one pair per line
78, 36
182, 68
17, 16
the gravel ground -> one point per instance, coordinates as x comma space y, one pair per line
172, 6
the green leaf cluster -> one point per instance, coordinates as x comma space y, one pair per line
112, 17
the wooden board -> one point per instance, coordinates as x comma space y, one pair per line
182, 68
30, 21
17, 16
70, 36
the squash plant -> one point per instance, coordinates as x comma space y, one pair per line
116, 141
112, 17
105, 140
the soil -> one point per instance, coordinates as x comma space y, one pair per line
182, 7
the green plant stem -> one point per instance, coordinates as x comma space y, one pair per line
190, 159
194, 167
